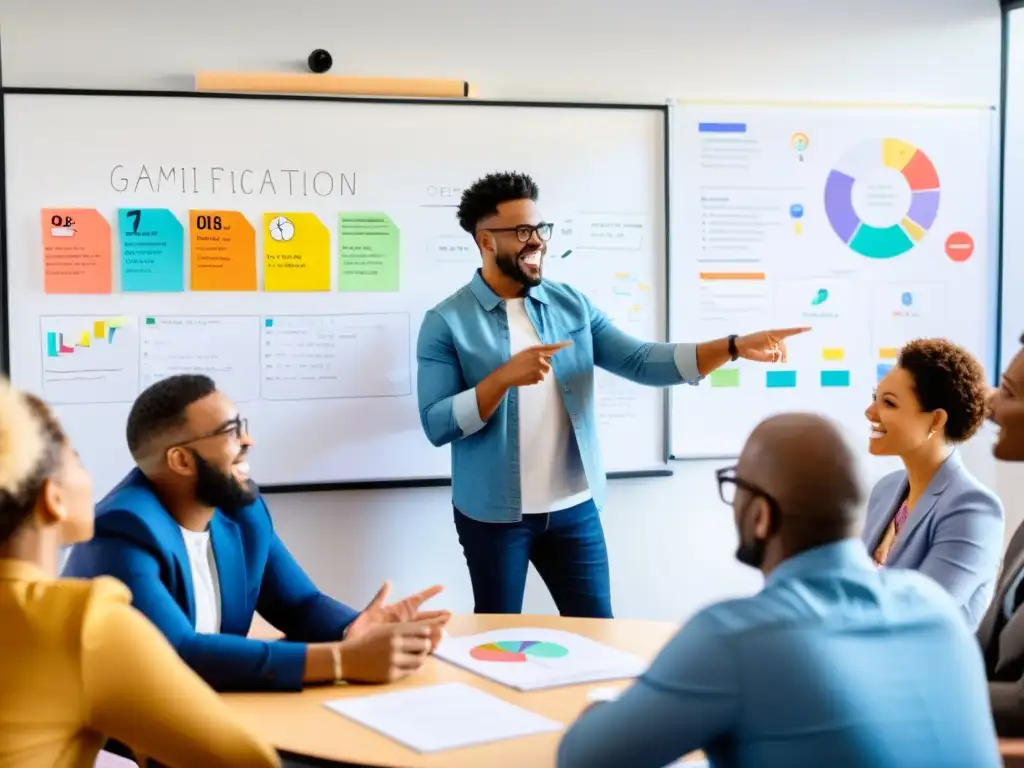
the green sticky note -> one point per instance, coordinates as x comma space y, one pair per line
368, 253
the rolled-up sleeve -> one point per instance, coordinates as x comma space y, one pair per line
448, 409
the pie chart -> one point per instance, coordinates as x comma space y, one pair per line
518, 651
882, 197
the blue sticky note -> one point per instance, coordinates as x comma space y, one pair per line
152, 250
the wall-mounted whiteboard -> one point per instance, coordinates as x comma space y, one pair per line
1013, 191
290, 248
874, 226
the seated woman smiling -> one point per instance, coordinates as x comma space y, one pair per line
933, 515
78, 664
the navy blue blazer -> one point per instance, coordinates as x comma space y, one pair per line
138, 542
954, 535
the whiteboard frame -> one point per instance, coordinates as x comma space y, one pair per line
995, 211
431, 482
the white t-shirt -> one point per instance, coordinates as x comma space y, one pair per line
551, 470
205, 582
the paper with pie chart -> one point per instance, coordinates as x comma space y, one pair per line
296, 253
531, 659
870, 225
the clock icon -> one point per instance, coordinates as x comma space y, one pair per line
281, 229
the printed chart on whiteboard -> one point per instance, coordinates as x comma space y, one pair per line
871, 226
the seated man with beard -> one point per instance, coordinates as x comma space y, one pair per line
189, 534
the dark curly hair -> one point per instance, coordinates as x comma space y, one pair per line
161, 409
482, 198
947, 376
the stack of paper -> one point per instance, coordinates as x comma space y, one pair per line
439, 717
531, 659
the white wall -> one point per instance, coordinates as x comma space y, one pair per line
671, 540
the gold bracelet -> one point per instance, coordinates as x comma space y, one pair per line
336, 658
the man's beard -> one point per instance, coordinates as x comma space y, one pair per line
509, 265
221, 489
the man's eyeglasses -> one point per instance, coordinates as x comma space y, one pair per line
728, 482
525, 231
237, 428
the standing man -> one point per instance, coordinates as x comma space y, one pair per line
506, 375
1001, 633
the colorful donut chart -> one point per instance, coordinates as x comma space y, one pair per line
883, 242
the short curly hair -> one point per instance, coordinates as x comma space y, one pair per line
161, 409
949, 377
482, 198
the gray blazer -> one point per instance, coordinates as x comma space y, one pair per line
954, 535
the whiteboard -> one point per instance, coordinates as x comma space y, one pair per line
290, 247
1012, 305
872, 225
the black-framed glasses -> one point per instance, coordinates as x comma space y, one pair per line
525, 231
728, 482
237, 428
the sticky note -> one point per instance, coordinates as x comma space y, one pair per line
888, 353
223, 251
833, 353
296, 253
152, 250
368, 253
725, 377
76, 251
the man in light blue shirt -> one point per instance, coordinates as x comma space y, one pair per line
834, 664
506, 376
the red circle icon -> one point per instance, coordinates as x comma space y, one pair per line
959, 246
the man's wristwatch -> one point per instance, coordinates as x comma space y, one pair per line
734, 353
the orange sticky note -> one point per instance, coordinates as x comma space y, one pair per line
76, 251
223, 251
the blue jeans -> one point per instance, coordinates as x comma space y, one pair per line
566, 547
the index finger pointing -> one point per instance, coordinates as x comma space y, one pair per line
554, 347
784, 333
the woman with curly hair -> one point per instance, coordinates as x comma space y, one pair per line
933, 515
78, 664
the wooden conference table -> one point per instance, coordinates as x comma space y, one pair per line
300, 727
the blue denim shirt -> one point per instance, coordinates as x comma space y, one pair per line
466, 337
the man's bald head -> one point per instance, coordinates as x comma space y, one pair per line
803, 462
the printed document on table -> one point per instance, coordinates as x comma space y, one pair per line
439, 717
531, 659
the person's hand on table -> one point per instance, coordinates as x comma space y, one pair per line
766, 346
379, 612
384, 653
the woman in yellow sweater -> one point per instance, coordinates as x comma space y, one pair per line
78, 664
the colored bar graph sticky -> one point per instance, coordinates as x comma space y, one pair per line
76, 251
368, 253
152, 250
296, 253
85, 340
99, 329
780, 379
725, 377
52, 349
732, 275
833, 353
835, 378
888, 353
721, 127
223, 251
883, 368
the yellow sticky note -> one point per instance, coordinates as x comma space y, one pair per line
888, 353
833, 353
296, 253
